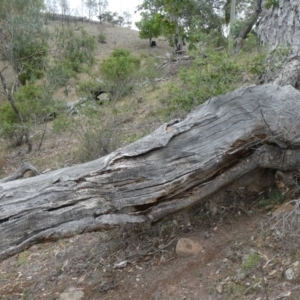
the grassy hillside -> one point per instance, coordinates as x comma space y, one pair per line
165, 86
244, 255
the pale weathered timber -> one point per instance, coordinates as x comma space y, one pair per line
25, 167
177, 166
279, 31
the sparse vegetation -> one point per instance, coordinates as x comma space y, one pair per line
209, 75
120, 69
144, 93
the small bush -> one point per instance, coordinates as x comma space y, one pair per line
89, 88
76, 49
213, 74
7, 114
101, 38
34, 105
208, 76
120, 69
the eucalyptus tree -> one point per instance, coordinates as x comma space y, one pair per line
149, 27
102, 6
92, 7
64, 8
23, 50
178, 19
27, 57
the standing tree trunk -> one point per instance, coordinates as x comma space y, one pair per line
248, 26
279, 30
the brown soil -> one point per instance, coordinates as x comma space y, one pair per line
151, 268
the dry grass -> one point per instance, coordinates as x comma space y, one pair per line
142, 118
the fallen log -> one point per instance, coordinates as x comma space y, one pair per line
25, 167
177, 166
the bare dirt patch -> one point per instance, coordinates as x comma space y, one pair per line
239, 261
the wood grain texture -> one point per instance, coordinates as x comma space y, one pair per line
279, 31
178, 165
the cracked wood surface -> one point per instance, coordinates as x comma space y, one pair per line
178, 165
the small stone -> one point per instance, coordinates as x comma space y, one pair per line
186, 247
293, 272
219, 288
104, 97
162, 260
72, 294
240, 274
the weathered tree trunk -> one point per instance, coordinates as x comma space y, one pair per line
177, 166
248, 26
279, 30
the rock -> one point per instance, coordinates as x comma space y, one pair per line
293, 272
282, 210
104, 97
72, 294
186, 247
219, 288
241, 274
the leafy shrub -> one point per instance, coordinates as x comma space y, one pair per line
270, 3
251, 43
26, 41
7, 115
90, 87
120, 65
101, 134
9, 123
74, 49
210, 75
32, 62
120, 69
101, 38
31, 103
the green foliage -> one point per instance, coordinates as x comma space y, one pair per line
119, 65
114, 18
74, 49
101, 132
7, 114
257, 65
29, 100
120, 69
10, 128
17, 7
182, 18
251, 43
208, 76
211, 74
90, 87
26, 43
270, 3
275, 197
251, 261
236, 28
101, 38
235, 290
149, 26
33, 103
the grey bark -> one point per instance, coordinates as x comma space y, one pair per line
26, 167
279, 30
179, 165
248, 26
